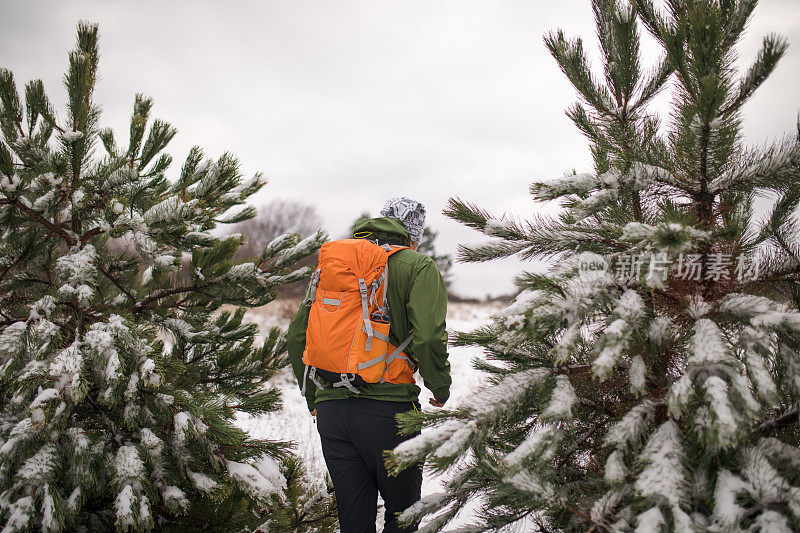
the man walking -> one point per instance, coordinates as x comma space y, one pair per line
356, 419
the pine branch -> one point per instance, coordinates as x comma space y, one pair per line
572, 61
39, 218
138, 307
772, 50
655, 82
116, 282
86, 237
786, 419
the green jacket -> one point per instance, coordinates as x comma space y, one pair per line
418, 301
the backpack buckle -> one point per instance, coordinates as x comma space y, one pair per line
380, 315
347, 382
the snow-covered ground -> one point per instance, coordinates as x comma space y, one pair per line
294, 423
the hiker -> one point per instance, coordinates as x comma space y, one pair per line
374, 313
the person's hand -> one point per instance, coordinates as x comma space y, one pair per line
436, 402
313, 412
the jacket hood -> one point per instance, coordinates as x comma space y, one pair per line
382, 228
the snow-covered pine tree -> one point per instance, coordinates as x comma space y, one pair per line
120, 372
654, 399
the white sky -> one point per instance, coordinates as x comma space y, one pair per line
344, 104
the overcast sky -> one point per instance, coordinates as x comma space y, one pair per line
343, 104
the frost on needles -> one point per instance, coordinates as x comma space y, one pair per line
625, 396
120, 370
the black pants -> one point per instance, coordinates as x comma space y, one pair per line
355, 432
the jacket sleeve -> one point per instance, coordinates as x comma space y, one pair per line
296, 344
427, 311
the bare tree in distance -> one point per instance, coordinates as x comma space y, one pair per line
274, 219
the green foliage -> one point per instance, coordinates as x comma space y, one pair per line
299, 506
124, 356
302, 507
639, 402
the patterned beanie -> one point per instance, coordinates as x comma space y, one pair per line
410, 212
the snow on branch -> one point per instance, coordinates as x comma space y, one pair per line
755, 343
260, 480
708, 346
540, 446
422, 507
616, 337
66, 368
762, 312
77, 272
725, 422
632, 426
415, 449
561, 401
579, 184
663, 480
727, 513
496, 400
528, 481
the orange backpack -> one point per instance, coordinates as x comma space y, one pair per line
347, 339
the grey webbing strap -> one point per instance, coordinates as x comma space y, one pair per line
367, 364
385, 282
403, 345
305, 378
313, 377
397, 354
362, 287
331, 301
311, 292
345, 382
403, 357
376, 285
373, 291
386, 273
377, 334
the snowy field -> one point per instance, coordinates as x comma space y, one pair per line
294, 423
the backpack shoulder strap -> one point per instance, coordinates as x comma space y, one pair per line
390, 249
393, 248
